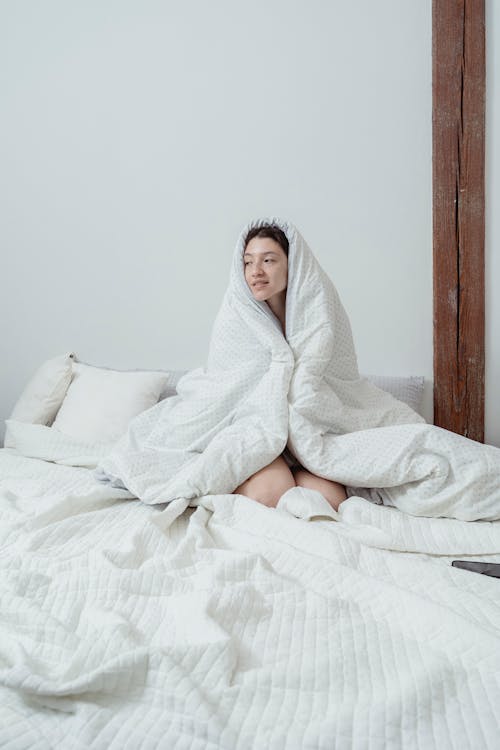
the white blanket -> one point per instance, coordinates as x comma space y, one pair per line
261, 391
238, 627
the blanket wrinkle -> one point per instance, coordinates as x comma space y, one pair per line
314, 614
262, 391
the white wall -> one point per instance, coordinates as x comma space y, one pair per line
492, 260
139, 136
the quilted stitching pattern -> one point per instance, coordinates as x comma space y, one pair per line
235, 626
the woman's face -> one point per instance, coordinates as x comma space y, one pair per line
266, 268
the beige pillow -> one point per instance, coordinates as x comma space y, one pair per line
100, 403
44, 394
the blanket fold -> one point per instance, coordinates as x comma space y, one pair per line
262, 391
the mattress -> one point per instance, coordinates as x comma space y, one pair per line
237, 626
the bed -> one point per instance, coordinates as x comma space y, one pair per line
234, 625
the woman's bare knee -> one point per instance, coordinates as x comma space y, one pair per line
267, 485
333, 492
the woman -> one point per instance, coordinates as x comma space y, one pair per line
265, 263
281, 385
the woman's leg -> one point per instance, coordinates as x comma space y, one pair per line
332, 491
268, 484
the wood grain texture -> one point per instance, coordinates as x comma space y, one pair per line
458, 123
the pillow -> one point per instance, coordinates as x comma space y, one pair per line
100, 403
409, 389
44, 394
47, 444
172, 377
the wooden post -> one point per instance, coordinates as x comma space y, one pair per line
458, 86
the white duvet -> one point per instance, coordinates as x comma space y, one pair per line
238, 626
261, 391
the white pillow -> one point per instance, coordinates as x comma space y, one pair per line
39, 441
100, 403
44, 394
171, 378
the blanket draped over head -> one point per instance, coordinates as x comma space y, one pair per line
262, 391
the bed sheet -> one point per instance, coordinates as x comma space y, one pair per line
238, 626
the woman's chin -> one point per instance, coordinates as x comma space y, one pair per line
261, 294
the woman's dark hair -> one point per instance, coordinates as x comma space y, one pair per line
271, 231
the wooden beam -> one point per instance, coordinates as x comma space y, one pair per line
458, 122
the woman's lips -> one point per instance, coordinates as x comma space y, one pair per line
260, 283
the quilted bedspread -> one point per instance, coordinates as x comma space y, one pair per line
237, 626
261, 391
